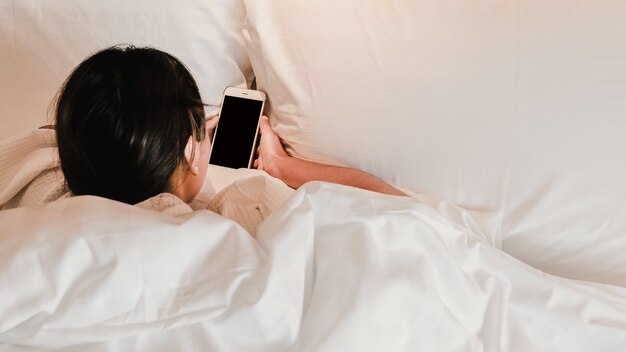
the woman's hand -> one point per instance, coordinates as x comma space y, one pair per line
271, 151
295, 172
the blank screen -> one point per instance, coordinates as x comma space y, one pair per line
234, 137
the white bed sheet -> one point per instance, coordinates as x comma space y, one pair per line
334, 269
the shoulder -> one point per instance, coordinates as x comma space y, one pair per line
166, 203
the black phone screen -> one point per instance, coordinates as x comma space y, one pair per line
235, 134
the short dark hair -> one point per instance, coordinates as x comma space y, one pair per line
123, 119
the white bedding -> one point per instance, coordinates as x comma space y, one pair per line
334, 269
511, 106
41, 41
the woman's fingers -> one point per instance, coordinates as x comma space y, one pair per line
270, 150
270, 142
258, 164
264, 124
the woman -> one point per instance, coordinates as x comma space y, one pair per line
130, 125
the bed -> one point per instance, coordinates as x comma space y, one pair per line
504, 121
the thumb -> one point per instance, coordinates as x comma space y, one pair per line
264, 124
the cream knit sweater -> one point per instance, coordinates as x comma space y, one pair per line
30, 175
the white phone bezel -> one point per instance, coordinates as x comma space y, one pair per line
245, 94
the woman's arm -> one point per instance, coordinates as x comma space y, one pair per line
295, 172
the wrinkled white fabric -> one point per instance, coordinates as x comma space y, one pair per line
512, 106
334, 269
87, 270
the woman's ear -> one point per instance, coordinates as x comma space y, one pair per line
190, 156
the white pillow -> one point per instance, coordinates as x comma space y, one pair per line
515, 107
41, 41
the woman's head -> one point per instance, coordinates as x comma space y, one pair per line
130, 125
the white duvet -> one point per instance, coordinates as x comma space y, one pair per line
333, 269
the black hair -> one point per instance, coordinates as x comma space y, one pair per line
123, 119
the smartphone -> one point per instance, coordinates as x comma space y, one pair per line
236, 134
